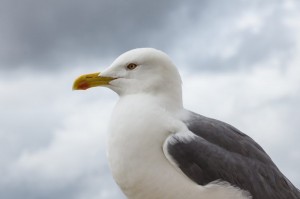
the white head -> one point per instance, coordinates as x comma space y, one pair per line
138, 71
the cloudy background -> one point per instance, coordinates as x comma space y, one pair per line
239, 62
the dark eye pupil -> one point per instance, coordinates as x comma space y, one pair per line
131, 66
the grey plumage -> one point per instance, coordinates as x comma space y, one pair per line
222, 152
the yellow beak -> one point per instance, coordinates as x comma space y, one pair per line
84, 82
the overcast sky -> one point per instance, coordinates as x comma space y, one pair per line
239, 62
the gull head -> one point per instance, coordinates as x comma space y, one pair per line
138, 71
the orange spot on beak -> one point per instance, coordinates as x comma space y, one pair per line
83, 85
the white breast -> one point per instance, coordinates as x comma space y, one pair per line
135, 153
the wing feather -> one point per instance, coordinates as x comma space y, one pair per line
219, 151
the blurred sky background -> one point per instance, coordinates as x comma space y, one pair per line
239, 60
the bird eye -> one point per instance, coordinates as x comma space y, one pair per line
131, 66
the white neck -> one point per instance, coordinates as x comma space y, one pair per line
140, 124
167, 97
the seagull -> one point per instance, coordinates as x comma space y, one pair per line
157, 149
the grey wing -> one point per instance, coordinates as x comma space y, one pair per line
218, 151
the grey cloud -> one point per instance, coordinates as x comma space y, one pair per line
96, 183
56, 34
218, 31
51, 33
36, 116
